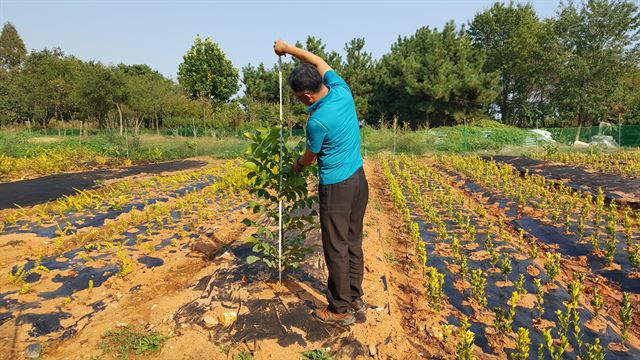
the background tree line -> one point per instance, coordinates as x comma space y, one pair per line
578, 68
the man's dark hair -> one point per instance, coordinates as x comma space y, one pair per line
305, 77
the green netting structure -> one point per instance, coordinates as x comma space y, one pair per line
625, 135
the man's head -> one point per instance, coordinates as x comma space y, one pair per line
306, 83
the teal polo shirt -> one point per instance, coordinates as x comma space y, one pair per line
333, 132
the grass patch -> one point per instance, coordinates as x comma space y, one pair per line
482, 136
390, 258
125, 341
317, 354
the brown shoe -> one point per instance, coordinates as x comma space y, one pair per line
358, 306
329, 317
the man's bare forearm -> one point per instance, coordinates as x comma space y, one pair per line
307, 158
303, 55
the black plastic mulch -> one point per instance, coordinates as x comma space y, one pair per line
615, 187
36, 191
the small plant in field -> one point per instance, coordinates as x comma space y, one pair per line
455, 247
442, 231
595, 351
500, 322
464, 268
434, 284
126, 340
626, 317
555, 352
575, 289
243, 355
564, 319
633, 252
577, 329
597, 302
612, 220
581, 225
125, 265
610, 247
317, 354
522, 345
599, 208
18, 276
494, 257
478, 282
567, 217
539, 297
533, 250
541, 352
263, 163
464, 347
469, 229
505, 266
90, 286
595, 239
25, 288
515, 297
390, 258
488, 242
519, 285
627, 222
555, 214
552, 265
446, 332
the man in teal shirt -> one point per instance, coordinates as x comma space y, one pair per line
333, 138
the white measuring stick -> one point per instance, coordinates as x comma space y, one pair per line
280, 184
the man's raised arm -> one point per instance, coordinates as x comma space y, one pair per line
282, 48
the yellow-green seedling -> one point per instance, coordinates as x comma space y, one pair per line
552, 265
465, 344
478, 282
522, 345
434, 288
626, 317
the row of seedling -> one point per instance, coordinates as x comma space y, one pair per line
559, 205
440, 193
192, 208
111, 197
624, 162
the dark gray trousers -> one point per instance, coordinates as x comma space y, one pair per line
342, 207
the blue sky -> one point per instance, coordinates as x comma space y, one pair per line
158, 33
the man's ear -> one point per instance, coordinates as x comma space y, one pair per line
309, 98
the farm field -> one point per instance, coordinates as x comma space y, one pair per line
625, 163
464, 257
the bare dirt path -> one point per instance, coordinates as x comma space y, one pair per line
198, 282
35, 191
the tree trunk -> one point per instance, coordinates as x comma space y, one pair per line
120, 116
155, 114
204, 115
579, 128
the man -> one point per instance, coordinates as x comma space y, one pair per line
333, 138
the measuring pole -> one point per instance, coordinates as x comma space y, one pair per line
280, 181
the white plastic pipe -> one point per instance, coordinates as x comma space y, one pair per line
280, 183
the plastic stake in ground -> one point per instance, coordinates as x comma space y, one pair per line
280, 183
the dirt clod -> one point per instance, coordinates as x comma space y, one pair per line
372, 350
33, 351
